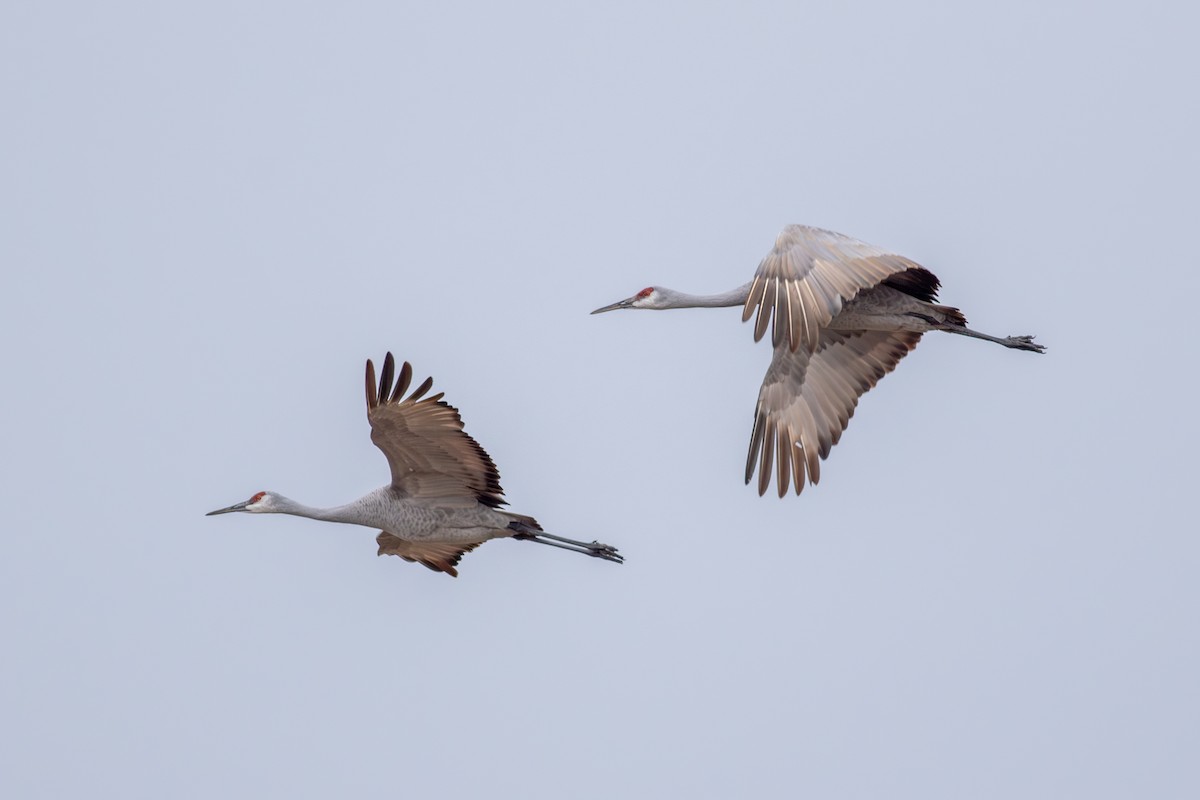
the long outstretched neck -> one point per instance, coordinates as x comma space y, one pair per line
350, 513
734, 297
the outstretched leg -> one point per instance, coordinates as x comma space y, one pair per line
1015, 342
594, 549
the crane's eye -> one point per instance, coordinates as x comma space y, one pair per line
644, 293
257, 497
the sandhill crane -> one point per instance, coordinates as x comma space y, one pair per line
842, 315
445, 493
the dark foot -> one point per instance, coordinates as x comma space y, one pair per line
1023, 343
606, 552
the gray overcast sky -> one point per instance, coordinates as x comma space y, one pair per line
214, 212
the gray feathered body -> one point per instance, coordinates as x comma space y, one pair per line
461, 520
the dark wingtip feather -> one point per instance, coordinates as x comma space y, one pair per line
372, 398
755, 442
385, 377
768, 456
785, 462
762, 321
421, 390
753, 298
797, 474
402, 382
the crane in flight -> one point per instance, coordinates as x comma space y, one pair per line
842, 314
445, 497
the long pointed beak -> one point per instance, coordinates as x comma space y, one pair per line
626, 303
234, 507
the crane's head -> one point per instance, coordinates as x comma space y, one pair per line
261, 503
650, 297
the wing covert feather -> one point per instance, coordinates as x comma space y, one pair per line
438, 556
429, 453
806, 278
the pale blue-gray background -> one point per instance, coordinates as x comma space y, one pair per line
213, 212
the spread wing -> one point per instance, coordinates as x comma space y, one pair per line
806, 400
802, 283
438, 556
429, 452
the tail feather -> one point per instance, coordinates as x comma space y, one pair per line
523, 525
953, 316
